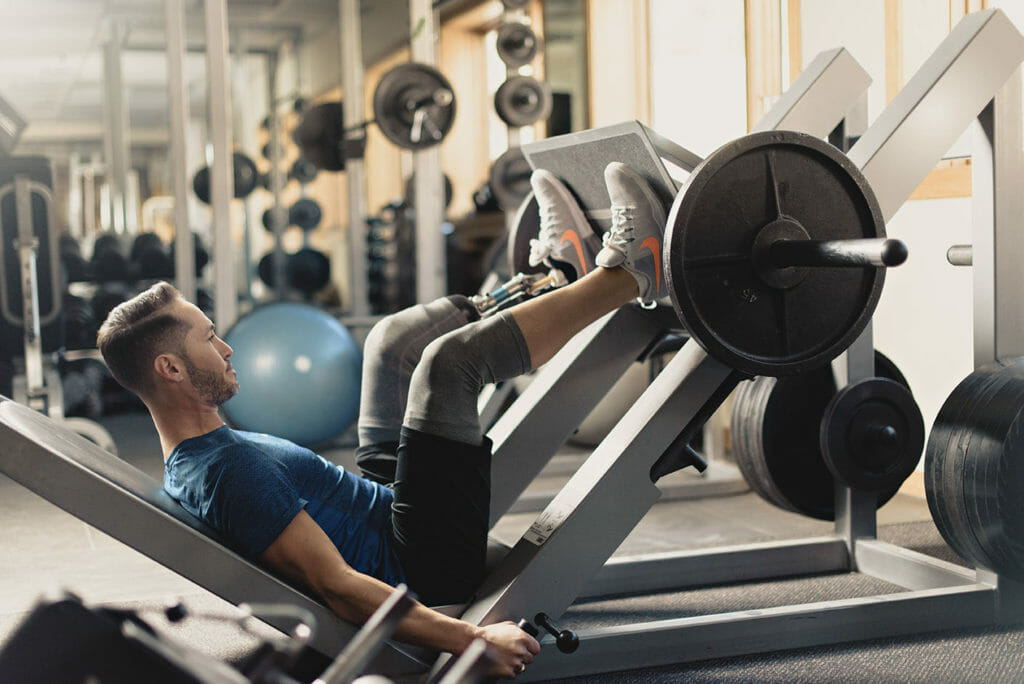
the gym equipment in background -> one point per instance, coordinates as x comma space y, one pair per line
300, 373
522, 101
413, 106
517, 43
509, 178
246, 177
306, 270
31, 293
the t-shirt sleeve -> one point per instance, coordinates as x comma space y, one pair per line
252, 498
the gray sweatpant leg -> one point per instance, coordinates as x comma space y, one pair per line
454, 368
391, 352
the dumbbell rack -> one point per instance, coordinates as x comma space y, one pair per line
573, 538
570, 385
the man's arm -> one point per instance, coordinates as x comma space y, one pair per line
304, 553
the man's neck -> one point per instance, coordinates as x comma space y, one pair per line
175, 425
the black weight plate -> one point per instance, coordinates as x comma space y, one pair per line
851, 452
246, 175
943, 466
746, 435
275, 218
775, 436
305, 213
515, 4
980, 440
517, 44
308, 270
510, 179
246, 178
978, 434
265, 268
410, 191
965, 443
303, 170
522, 101
1007, 527
320, 135
405, 90
992, 476
525, 227
715, 218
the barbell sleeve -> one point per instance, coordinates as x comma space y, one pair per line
442, 97
838, 253
960, 255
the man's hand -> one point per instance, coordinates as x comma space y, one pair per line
513, 649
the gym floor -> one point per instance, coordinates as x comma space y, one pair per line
43, 549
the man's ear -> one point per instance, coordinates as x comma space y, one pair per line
169, 367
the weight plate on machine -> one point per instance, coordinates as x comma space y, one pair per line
517, 44
723, 298
515, 4
943, 467
414, 106
522, 100
872, 434
994, 501
245, 175
775, 438
510, 179
305, 213
320, 136
974, 468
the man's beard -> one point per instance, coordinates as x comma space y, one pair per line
213, 388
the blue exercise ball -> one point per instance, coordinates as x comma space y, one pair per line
299, 371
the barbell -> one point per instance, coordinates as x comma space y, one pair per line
413, 106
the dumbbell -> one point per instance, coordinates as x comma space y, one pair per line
109, 262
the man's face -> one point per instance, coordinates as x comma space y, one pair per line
206, 358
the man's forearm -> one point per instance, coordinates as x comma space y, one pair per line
422, 626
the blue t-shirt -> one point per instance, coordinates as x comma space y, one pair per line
250, 486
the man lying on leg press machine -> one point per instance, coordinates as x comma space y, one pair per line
346, 537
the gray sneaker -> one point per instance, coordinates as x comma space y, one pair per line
565, 241
638, 224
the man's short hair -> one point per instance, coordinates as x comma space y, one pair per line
139, 330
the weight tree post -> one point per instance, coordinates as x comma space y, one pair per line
431, 269
355, 170
222, 186
184, 253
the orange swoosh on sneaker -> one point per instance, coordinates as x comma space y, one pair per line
653, 244
571, 236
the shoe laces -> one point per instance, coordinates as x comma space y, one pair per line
621, 232
548, 235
